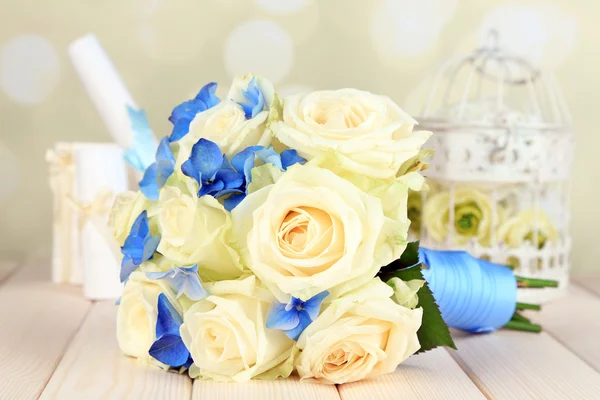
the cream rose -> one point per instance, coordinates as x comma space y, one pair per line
360, 335
473, 216
313, 231
226, 123
227, 337
137, 313
197, 231
373, 136
523, 227
126, 208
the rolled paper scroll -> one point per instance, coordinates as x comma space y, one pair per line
126, 123
101, 174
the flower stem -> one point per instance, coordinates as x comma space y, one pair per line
528, 306
519, 318
535, 283
523, 326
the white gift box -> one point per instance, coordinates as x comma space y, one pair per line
85, 178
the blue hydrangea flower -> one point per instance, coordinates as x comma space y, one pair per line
242, 163
218, 177
205, 166
141, 154
157, 174
139, 246
294, 317
169, 348
182, 281
184, 114
255, 101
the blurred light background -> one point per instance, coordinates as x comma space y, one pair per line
166, 50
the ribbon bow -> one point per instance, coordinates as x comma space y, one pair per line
94, 212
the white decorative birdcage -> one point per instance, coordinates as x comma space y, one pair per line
499, 179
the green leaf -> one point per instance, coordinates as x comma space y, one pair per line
433, 332
409, 258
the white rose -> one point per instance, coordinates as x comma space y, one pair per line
313, 231
226, 123
361, 335
227, 337
473, 216
524, 226
373, 136
197, 231
126, 208
137, 313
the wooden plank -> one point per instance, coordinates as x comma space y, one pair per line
574, 320
590, 282
94, 368
38, 320
518, 365
430, 375
290, 388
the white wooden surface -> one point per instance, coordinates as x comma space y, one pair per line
291, 389
37, 321
56, 345
93, 367
431, 375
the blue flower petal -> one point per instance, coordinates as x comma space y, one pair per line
255, 101
211, 188
207, 95
232, 201
150, 246
170, 350
279, 318
289, 158
139, 246
270, 156
183, 114
168, 320
180, 128
204, 161
192, 288
239, 160
305, 321
156, 175
231, 179
148, 185
164, 152
187, 110
127, 267
158, 275
313, 305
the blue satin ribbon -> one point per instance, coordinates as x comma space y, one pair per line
473, 295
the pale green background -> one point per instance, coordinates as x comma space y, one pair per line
166, 49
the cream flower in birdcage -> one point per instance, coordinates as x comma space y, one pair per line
473, 216
516, 230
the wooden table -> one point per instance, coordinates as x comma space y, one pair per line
56, 344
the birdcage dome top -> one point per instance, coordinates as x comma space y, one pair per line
493, 87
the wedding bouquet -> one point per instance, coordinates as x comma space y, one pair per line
270, 236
